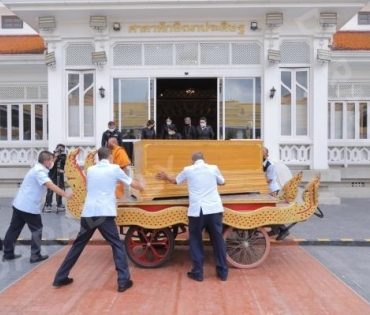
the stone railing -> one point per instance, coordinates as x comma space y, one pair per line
347, 155
26, 154
295, 154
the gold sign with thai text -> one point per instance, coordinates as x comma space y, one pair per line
178, 27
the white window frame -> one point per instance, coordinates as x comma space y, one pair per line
331, 114
362, 21
221, 83
151, 102
21, 121
294, 103
82, 91
11, 22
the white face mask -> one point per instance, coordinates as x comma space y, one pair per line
111, 130
168, 122
202, 125
51, 165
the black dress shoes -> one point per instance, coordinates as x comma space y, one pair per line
14, 256
128, 285
222, 278
274, 231
37, 258
193, 276
60, 283
282, 234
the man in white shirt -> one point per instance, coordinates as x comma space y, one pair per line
271, 178
204, 212
27, 205
99, 212
270, 173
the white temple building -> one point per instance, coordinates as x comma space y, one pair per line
294, 73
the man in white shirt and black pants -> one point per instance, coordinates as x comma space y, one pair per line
205, 211
27, 206
99, 212
271, 178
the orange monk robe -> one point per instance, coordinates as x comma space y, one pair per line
121, 158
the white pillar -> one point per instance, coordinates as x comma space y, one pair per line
271, 112
103, 106
57, 119
319, 113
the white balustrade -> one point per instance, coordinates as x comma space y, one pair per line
348, 155
295, 154
27, 156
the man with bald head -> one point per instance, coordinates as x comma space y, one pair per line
204, 212
120, 158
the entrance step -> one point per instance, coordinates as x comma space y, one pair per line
328, 198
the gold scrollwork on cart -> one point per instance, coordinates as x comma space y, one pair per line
293, 212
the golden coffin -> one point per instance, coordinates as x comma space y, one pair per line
240, 162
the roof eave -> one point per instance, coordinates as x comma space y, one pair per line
25, 59
350, 55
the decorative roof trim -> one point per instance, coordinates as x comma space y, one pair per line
351, 40
21, 44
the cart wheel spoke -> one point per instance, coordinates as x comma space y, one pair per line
246, 248
149, 248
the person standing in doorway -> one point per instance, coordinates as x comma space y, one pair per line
111, 132
204, 131
164, 134
99, 212
127, 143
189, 131
148, 132
27, 206
172, 134
204, 212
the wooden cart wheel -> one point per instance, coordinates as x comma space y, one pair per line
246, 248
148, 248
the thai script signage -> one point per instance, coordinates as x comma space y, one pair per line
178, 27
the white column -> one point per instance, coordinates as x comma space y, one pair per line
57, 120
103, 106
319, 113
271, 111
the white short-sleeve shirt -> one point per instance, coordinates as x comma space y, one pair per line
271, 176
32, 190
202, 180
101, 181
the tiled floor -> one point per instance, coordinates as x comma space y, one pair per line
288, 282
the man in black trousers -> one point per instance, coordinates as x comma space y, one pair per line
205, 212
99, 212
27, 206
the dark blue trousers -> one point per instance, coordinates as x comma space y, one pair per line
19, 219
108, 229
213, 224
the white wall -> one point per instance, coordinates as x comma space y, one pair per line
352, 25
26, 74
26, 30
349, 71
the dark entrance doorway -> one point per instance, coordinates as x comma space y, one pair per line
180, 98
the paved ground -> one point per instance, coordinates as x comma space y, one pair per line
289, 282
341, 238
